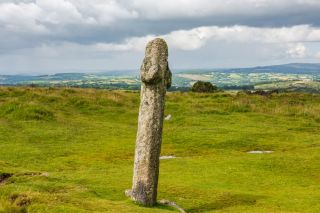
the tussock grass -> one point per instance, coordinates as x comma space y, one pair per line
84, 140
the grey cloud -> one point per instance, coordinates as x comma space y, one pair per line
108, 20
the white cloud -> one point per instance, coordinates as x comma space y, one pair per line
134, 43
35, 16
59, 12
297, 50
104, 12
21, 17
291, 38
241, 42
196, 38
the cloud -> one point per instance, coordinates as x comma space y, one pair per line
196, 47
40, 15
297, 51
21, 17
60, 12
221, 8
83, 31
103, 12
38, 21
291, 39
200, 36
196, 38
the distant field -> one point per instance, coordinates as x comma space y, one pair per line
71, 150
288, 77
304, 86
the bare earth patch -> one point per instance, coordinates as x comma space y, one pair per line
4, 177
20, 200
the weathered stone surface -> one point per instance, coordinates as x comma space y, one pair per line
156, 78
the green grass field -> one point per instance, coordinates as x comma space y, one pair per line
71, 150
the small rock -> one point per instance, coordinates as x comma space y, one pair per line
259, 152
45, 174
128, 192
167, 157
34, 174
172, 204
168, 118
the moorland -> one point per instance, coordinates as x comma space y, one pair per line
71, 150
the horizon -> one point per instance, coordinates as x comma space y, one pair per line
132, 71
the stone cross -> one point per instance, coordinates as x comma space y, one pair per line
156, 78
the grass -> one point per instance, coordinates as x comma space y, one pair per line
71, 150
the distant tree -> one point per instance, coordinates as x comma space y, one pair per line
32, 85
205, 87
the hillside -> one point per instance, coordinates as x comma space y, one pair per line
228, 79
71, 150
294, 68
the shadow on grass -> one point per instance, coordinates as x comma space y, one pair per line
226, 201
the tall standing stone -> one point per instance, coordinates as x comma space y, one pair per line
156, 78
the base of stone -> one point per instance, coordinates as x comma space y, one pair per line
172, 204
128, 193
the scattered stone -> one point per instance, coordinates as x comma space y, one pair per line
45, 174
262, 92
172, 204
167, 157
33, 174
128, 192
260, 152
167, 118
155, 79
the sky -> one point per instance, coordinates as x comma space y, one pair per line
52, 36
